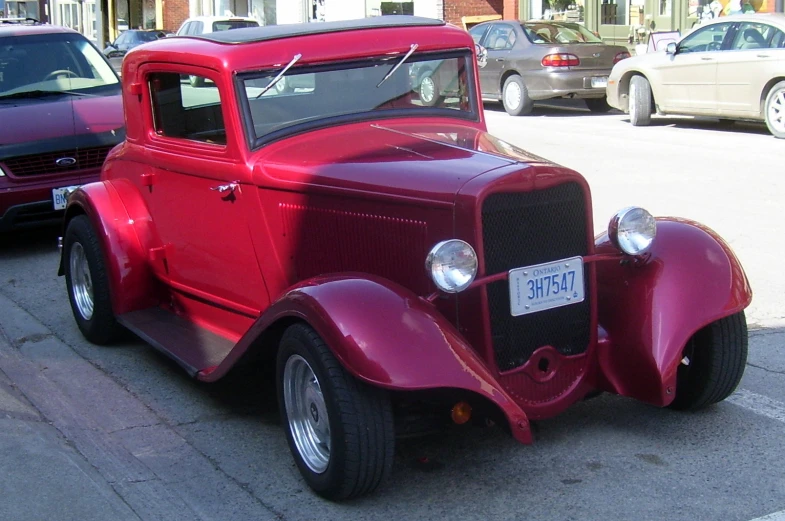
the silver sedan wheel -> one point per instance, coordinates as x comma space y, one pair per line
427, 90
776, 111
81, 282
306, 411
513, 95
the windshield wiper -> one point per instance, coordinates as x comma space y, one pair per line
279, 75
406, 56
41, 94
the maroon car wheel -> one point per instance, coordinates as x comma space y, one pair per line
713, 363
88, 283
340, 430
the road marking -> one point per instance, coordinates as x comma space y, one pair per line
764, 406
776, 516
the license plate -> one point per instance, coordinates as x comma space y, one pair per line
60, 196
545, 286
599, 82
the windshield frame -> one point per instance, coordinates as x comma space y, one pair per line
254, 143
83, 49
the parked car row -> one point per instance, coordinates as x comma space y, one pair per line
367, 240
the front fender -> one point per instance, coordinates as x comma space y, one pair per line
651, 309
120, 218
386, 336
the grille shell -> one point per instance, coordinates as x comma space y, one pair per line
526, 228
44, 164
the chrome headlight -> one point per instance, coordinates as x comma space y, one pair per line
632, 230
2, 173
452, 265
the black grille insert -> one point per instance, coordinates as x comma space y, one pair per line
46, 163
525, 228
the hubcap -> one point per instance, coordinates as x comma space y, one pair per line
776, 115
81, 282
307, 413
427, 90
512, 95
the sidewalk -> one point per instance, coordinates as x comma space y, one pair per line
77, 446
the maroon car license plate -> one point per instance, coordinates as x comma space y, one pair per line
545, 286
60, 196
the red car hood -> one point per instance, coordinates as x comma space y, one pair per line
58, 118
422, 161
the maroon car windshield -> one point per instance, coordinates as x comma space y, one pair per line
558, 33
342, 92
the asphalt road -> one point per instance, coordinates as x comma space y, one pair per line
172, 448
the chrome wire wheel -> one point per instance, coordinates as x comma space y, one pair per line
81, 281
306, 412
776, 111
513, 95
427, 90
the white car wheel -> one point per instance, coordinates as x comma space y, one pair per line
640, 101
775, 110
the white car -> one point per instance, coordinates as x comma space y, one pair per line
198, 25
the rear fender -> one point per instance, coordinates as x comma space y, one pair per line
386, 336
651, 309
120, 218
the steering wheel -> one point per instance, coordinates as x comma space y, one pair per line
54, 74
713, 46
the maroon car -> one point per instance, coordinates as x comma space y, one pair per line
391, 261
61, 113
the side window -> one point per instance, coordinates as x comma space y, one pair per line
197, 28
122, 39
777, 39
184, 29
705, 39
181, 111
477, 32
500, 37
752, 36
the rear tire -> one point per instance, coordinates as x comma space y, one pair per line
598, 105
640, 101
515, 97
775, 110
88, 283
717, 357
340, 430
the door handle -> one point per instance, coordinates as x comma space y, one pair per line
706, 58
231, 187
500, 60
763, 55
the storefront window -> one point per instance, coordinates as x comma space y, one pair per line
264, 11
665, 7
614, 12
557, 10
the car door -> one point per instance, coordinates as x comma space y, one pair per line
755, 57
687, 80
498, 42
198, 199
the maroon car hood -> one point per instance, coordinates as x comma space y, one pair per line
61, 117
415, 161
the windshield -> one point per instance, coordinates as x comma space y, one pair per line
549, 33
148, 36
308, 97
225, 25
53, 63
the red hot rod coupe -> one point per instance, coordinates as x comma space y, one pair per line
380, 251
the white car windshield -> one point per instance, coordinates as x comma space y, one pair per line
48, 64
313, 96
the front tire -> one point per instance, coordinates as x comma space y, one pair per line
717, 357
515, 97
87, 282
340, 430
640, 101
775, 110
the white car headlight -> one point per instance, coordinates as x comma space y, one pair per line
2, 173
632, 230
452, 265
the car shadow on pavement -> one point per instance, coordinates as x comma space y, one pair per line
553, 108
706, 123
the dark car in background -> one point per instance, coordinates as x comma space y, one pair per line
60, 114
540, 60
127, 40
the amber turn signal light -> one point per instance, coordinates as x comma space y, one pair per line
461, 413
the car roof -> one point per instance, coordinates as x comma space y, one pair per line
777, 19
220, 18
25, 29
274, 32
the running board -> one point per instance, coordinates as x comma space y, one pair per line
191, 346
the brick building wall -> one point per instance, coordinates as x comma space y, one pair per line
175, 13
454, 10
